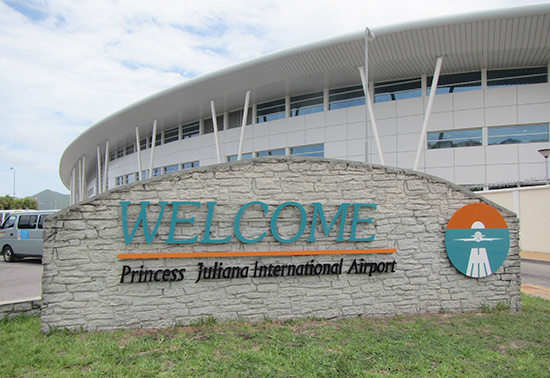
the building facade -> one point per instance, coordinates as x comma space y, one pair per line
464, 98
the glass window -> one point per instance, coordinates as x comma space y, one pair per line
209, 124
191, 164
120, 153
278, 152
144, 174
112, 156
41, 221
306, 104
458, 82
270, 111
517, 76
518, 134
397, 90
130, 178
129, 149
171, 135
10, 222
190, 130
171, 168
313, 150
157, 172
455, 138
346, 97
143, 144
236, 118
27, 222
243, 156
120, 180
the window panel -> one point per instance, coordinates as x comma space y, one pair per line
171, 168
306, 104
518, 134
243, 157
157, 172
517, 76
313, 150
277, 152
455, 138
129, 149
397, 90
191, 164
270, 111
457, 82
190, 130
347, 97
236, 118
171, 135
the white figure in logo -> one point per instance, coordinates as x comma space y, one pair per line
478, 264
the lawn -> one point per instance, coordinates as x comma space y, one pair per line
492, 343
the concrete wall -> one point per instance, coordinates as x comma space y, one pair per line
532, 205
83, 270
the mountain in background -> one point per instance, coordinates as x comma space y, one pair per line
50, 200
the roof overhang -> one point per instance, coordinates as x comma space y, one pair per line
514, 37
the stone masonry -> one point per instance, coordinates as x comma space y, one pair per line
82, 286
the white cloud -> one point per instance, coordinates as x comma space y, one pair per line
67, 64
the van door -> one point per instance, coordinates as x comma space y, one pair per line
29, 237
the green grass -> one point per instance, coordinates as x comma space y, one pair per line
495, 343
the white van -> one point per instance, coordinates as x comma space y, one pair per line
21, 234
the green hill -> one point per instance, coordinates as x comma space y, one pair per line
50, 200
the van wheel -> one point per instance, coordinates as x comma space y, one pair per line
9, 256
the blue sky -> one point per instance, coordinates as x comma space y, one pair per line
67, 64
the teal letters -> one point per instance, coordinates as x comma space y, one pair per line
318, 216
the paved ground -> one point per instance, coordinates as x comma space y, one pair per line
536, 274
22, 280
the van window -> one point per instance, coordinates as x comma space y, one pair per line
41, 221
27, 222
10, 222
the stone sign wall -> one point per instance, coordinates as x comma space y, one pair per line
236, 241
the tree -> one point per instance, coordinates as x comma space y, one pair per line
9, 203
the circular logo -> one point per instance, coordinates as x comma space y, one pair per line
477, 240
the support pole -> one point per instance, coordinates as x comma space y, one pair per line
138, 150
215, 123
153, 142
371, 115
243, 126
428, 113
73, 187
98, 170
83, 190
107, 159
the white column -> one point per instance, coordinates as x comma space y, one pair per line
243, 125
371, 115
83, 191
138, 151
73, 186
428, 113
153, 142
107, 159
98, 170
215, 123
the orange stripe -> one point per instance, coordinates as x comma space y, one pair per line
251, 254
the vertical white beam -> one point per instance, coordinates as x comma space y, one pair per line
371, 115
153, 142
215, 123
84, 190
98, 170
79, 181
107, 159
138, 150
73, 186
428, 113
243, 125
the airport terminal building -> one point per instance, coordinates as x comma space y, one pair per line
465, 98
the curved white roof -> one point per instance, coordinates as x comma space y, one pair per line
514, 37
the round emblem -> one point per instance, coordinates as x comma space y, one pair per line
477, 240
